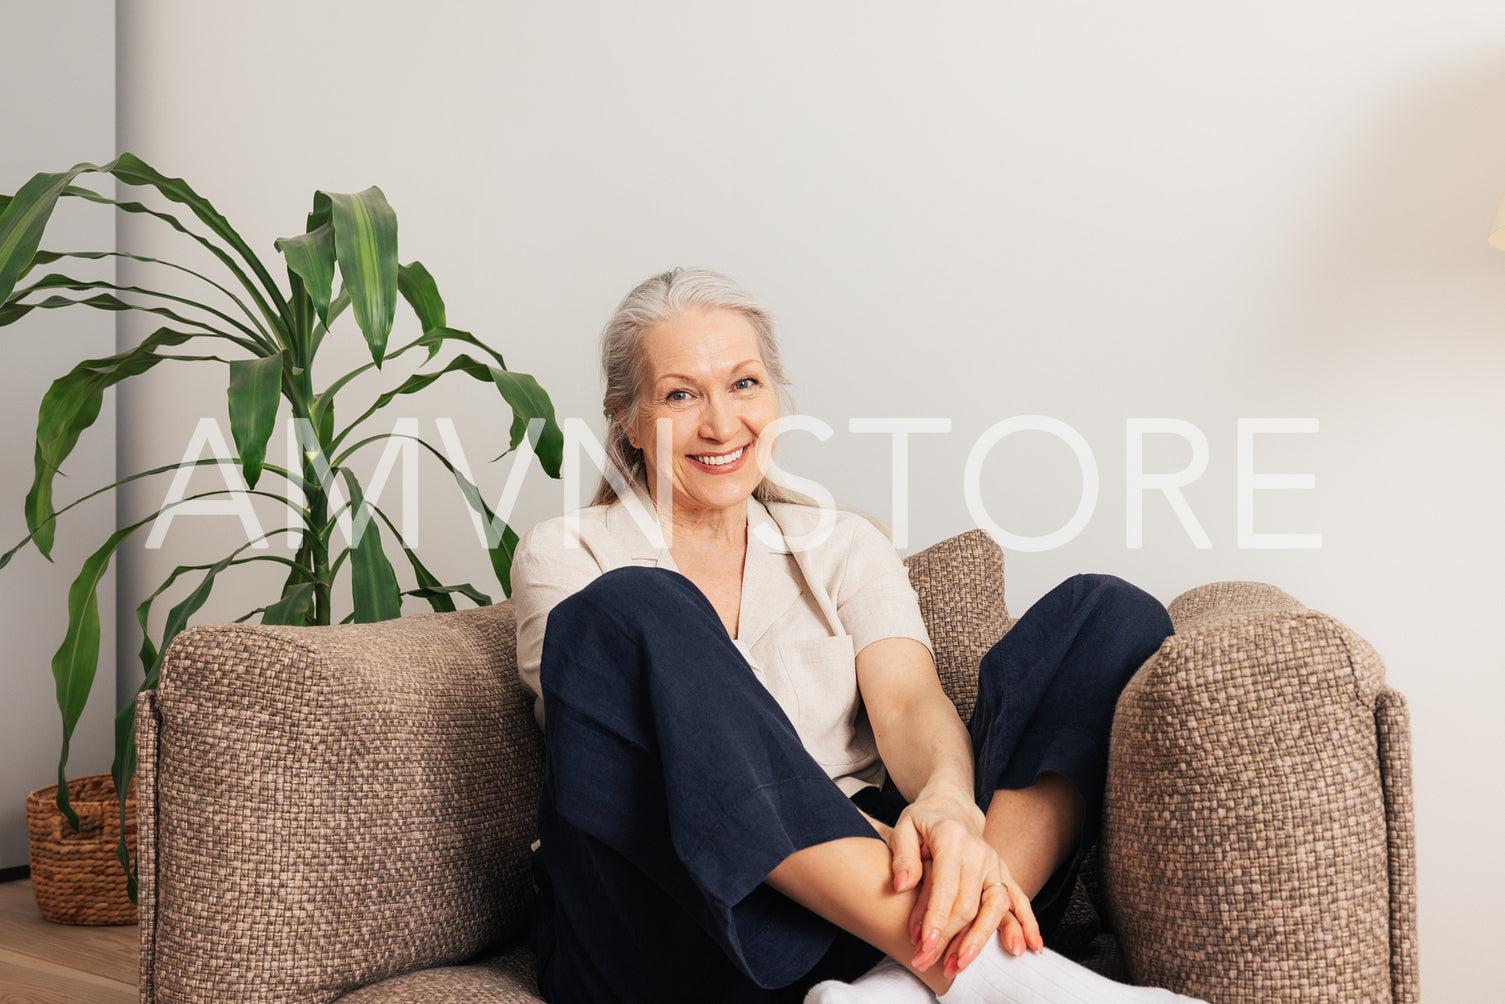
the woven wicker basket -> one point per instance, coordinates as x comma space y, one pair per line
77, 877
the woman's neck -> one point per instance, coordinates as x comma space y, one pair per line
704, 528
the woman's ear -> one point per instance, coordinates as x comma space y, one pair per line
632, 439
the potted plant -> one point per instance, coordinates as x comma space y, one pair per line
268, 334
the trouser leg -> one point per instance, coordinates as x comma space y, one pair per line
673, 785
1046, 695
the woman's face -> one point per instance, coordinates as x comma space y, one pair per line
706, 385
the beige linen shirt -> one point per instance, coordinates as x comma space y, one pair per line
818, 586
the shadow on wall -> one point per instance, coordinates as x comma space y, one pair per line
1396, 260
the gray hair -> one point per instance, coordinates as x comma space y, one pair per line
661, 298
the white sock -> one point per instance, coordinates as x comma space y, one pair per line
996, 977
886, 983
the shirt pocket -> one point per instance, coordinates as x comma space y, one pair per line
824, 674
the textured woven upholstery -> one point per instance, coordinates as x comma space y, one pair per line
345, 812
332, 806
1257, 842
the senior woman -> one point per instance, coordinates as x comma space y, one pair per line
726, 677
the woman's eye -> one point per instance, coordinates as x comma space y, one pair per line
745, 383
678, 395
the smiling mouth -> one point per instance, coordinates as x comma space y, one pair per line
719, 459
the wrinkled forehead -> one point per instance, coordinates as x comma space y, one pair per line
706, 346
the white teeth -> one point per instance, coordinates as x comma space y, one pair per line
723, 459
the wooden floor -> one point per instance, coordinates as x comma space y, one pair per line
45, 963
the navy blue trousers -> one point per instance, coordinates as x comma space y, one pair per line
674, 783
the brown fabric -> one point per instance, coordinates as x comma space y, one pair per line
505, 978
339, 805
1394, 724
1218, 601
960, 586
1244, 843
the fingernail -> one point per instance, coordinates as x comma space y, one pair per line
1016, 945
967, 957
951, 968
932, 940
899, 881
914, 933
921, 961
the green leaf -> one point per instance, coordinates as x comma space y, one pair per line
373, 585
294, 606
413, 384
429, 587
440, 594
267, 312
134, 171
57, 280
122, 769
365, 240
336, 308
13, 312
255, 391
25, 217
71, 405
177, 618
433, 336
422, 293
311, 257
302, 573
501, 544
203, 461
529, 401
77, 659
258, 334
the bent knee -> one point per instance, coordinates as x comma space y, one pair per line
632, 589
1139, 621
1121, 594
639, 602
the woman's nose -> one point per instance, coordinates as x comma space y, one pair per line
718, 420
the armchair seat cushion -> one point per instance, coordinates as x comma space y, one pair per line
504, 977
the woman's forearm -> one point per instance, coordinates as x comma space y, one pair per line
926, 749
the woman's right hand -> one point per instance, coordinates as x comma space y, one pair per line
966, 892
1002, 907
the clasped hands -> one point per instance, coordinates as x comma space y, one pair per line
966, 890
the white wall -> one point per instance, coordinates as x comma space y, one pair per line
64, 114
1092, 211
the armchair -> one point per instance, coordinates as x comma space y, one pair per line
345, 813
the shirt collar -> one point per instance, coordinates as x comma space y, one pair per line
764, 536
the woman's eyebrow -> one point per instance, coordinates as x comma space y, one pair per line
691, 379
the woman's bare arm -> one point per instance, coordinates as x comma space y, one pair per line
928, 753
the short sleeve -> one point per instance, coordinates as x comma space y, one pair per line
875, 599
544, 572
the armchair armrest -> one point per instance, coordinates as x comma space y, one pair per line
1257, 840
329, 806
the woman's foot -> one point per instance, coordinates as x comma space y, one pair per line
995, 977
886, 983
1046, 977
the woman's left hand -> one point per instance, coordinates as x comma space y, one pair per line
966, 891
